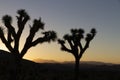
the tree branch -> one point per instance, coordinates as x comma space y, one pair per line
70, 43
63, 47
7, 20
84, 49
80, 45
9, 37
22, 20
39, 40
7, 44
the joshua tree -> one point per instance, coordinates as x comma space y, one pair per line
14, 35
76, 47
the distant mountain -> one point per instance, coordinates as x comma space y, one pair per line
44, 61
72, 62
41, 69
6, 57
88, 62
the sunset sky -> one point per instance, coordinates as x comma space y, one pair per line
61, 16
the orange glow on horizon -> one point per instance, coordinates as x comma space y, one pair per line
52, 52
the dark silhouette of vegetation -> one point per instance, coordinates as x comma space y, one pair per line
13, 36
76, 47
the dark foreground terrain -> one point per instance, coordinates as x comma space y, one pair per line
56, 71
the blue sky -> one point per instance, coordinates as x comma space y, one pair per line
62, 15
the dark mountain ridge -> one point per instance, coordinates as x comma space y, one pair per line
8, 59
31, 70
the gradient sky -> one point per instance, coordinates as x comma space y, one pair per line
61, 16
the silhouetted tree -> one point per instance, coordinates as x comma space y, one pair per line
76, 47
13, 36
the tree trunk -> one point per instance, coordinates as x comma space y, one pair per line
76, 68
17, 69
18, 66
